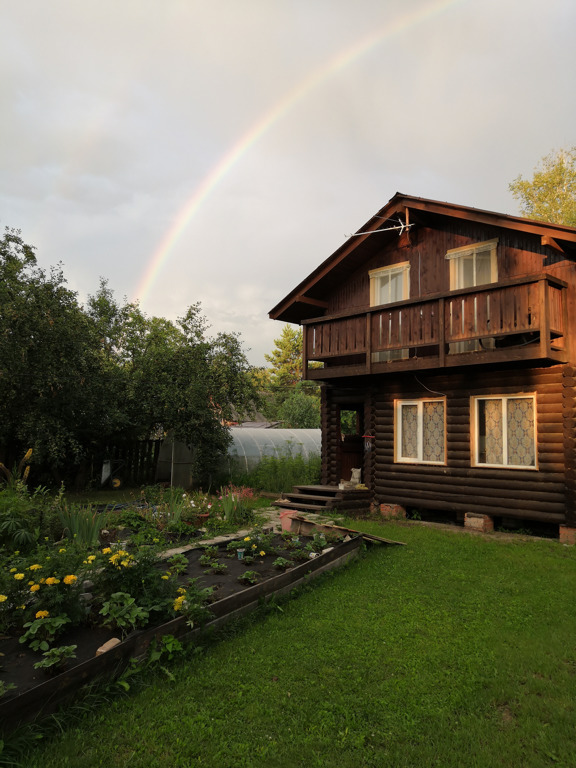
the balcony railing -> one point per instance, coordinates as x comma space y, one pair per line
511, 320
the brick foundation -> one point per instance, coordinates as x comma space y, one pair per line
392, 512
566, 534
476, 522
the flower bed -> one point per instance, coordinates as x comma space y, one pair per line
277, 570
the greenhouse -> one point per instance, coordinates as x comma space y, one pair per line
250, 445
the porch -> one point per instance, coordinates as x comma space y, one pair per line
322, 499
520, 319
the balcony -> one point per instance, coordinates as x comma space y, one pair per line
520, 319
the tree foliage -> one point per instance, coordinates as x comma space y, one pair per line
74, 379
289, 400
286, 358
551, 194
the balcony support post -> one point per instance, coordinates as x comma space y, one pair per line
544, 318
368, 342
441, 320
304, 352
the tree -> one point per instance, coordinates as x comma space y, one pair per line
75, 379
300, 410
49, 362
288, 399
551, 194
286, 358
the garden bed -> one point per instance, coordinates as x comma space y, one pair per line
38, 695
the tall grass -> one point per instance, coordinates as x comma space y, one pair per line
281, 474
81, 524
454, 651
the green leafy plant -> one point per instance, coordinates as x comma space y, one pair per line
137, 573
249, 577
41, 632
167, 646
6, 687
205, 559
122, 612
178, 563
281, 563
55, 659
234, 510
211, 551
216, 567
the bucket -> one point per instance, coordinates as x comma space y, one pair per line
286, 519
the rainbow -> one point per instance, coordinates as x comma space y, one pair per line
278, 110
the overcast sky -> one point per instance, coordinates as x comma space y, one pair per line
219, 150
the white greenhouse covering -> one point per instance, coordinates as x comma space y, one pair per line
249, 445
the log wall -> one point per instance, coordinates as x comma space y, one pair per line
460, 487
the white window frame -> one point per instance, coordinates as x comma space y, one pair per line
375, 274
419, 402
471, 250
475, 432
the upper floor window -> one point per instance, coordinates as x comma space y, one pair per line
470, 266
473, 265
420, 431
504, 433
389, 284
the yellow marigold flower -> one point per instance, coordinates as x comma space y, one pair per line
42, 614
165, 578
254, 546
181, 591
125, 563
18, 576
247, 538
30, 582
62, 549
52, 580
42, 581
262, 553
34, 587
106, 551
91, 558
35, 567
13, 570
71, 579
3, 598
179, 602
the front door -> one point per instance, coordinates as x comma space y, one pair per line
351, 441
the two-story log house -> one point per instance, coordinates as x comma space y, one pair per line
450, 333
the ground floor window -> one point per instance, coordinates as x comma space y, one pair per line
420, 431
505, 431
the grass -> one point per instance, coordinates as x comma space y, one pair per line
456, 650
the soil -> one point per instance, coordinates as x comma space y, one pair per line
17, 660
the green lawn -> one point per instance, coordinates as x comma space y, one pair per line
456, 650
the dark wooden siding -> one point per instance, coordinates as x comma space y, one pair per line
518, 255
569, 419
458, 486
